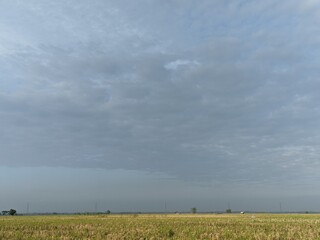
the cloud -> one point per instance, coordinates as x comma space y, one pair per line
225, 92
175, 64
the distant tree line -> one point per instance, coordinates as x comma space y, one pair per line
10, 212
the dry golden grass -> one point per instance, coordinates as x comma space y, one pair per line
166, 226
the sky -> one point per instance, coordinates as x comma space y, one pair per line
152, 105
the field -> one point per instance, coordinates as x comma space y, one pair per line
171, 226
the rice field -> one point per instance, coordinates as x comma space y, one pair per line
161, 226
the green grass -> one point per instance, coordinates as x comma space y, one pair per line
182, 226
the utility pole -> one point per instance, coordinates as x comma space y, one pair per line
27, 208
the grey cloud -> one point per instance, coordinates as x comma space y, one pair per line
93, 90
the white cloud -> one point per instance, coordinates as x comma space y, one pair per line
175, 64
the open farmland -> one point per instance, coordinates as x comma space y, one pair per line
198, 226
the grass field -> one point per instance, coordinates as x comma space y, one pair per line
182, 226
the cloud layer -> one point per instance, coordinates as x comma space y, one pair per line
217, 90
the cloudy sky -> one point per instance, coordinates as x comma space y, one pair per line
125, 105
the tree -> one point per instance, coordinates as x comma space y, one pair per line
193, 210
12, 212
108, 212
5, 212
228, 210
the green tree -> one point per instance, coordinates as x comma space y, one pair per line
193, 210
228, 210
12, 212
